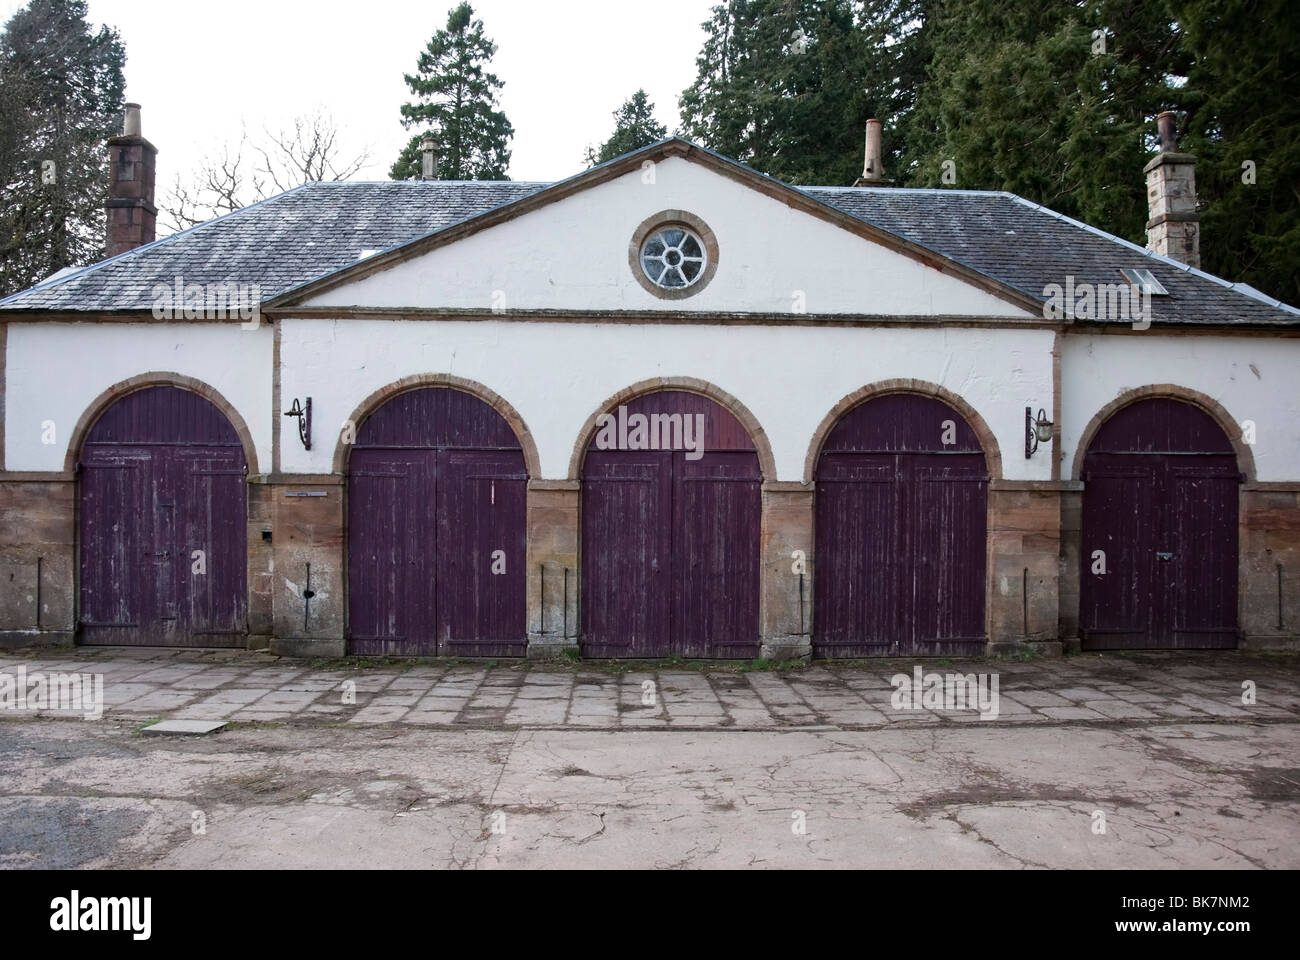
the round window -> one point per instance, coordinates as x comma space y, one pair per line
673, 258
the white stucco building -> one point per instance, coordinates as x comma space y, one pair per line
865, 359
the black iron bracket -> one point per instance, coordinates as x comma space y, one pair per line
303, 413
1031, 430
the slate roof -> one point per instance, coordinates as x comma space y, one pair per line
279, 243
1028, 246
320, 228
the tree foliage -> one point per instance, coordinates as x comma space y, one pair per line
456, 103
1242, 121
634, 127
61, 98
780, 86
1054, 102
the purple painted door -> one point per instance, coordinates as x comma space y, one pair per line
1159, 557
670, 537
163, 524
436, 532
901, 517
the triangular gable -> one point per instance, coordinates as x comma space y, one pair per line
565, 249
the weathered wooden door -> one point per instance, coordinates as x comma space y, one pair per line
436, 530
1159, 557
163, 524
670, 536
901, 518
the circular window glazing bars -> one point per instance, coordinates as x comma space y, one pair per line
673, 258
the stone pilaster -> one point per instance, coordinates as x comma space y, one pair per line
308, 606
261, 563
553, 580
1071, 560
1270, 566
785, 598
38, 592
1024, 550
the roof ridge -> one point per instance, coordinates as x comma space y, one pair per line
946, 191
426, 183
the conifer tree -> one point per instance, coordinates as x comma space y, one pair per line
1054, 102
456, 103
634, 127
780, 86
61, 98
1242, 122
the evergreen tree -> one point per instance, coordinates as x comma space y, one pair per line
781, 86
1243, 109
1050, 101
455, 102
897, 42
634, 127
61, 97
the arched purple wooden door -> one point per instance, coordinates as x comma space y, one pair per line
901, 515
436, 530
1159, 557
670, 532
163, 524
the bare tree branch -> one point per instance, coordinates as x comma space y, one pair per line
306, 152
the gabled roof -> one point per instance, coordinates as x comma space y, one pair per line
323, 234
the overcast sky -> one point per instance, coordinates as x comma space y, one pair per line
199, 70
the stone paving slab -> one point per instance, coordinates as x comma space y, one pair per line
257, 687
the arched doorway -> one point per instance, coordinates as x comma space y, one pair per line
901, 517
1159, 557
163, 524
671, 518
436, 529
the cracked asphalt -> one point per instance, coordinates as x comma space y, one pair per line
825, 781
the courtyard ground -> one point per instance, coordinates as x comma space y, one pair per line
1138, 761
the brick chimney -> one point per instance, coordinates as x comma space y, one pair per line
1173, 227
131, 214
873, 168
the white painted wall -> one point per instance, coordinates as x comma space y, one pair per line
573, 255
1253, 378
556, 375
56, 370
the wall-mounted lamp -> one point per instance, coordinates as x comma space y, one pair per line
303, 413
1037, 430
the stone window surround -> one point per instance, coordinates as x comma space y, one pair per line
657, 222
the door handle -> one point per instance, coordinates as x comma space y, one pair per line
1164, 555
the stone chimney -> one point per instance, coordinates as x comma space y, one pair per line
132, 216
1173, 227
428, 159
873, 169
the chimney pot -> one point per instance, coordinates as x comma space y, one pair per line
429, 159
873, 167
131, 120
1168, 133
